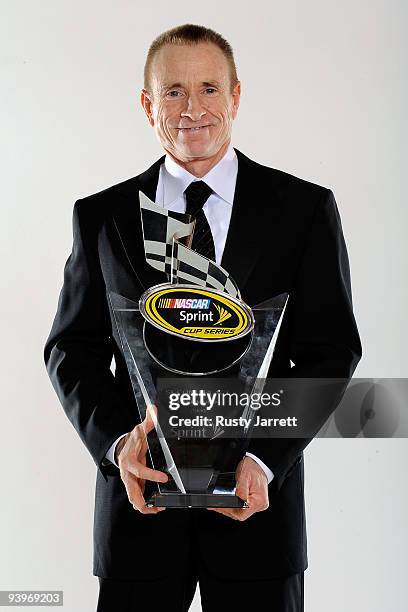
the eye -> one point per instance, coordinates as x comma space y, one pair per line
210, 90
173, 93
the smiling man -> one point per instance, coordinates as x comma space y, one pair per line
191, 97
273, 232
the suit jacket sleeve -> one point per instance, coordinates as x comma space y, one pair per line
78, 351
323, 336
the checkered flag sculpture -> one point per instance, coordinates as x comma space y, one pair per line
162, 231
160, 226
191, 267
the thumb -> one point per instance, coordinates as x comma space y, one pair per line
242, 489
150, 419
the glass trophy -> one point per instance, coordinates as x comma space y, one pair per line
201, 471
195, 332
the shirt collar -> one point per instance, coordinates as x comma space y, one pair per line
221, 178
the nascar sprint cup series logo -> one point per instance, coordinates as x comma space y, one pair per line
196, 314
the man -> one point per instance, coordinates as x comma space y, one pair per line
273, 232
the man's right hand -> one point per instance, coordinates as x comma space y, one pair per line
130, 455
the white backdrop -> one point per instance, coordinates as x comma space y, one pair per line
324, 97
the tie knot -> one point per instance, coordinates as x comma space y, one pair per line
197, 193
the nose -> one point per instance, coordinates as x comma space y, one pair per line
193, 109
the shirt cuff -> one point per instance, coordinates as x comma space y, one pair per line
110, 455
269, 474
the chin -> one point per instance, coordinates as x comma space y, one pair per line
198, 151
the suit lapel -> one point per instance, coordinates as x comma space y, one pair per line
247, 225
245, 235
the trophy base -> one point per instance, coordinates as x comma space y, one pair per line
194, 500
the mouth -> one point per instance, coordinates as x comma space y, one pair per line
193, 129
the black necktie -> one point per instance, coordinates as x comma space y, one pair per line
197, 193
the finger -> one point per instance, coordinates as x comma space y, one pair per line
147, 510
259, 501
133, 492
142, 471
242, 489
136, 498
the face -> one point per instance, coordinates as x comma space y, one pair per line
191, 105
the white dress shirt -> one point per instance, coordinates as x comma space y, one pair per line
173, 180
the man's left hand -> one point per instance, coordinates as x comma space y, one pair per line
252, 486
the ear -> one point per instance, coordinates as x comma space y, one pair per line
236, 96
146, 101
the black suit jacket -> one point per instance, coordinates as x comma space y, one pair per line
285, 235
